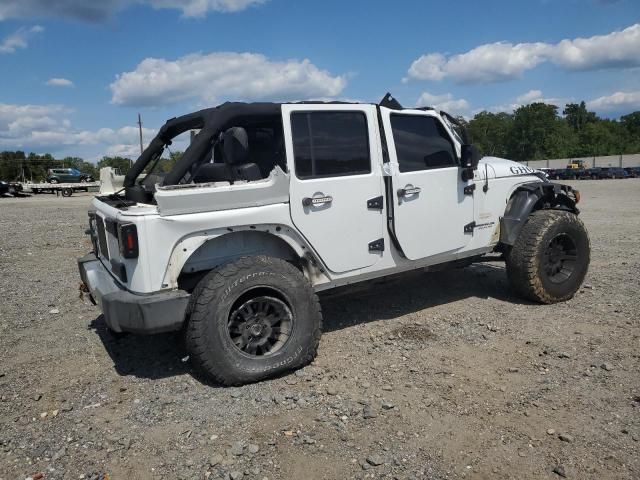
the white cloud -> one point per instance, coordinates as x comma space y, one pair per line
614, 50
19, 39
428, 67
59, 82
532, 96
446, 102
47, 128
484, 64
617, 102
99, 11
199, 8
228, 75
501, 61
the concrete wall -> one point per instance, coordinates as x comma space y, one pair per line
632, 160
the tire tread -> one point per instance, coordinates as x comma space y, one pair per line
523, 262
205, 293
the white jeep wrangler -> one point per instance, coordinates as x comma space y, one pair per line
271, 203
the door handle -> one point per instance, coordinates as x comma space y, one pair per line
316, 201
408, 191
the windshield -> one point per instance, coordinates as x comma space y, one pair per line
456, 128
75, 172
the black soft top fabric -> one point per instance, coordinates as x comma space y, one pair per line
210, 122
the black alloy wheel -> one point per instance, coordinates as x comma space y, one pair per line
261, 325
559, 259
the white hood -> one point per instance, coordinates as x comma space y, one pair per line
501, 167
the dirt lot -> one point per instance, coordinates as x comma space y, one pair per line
440, 375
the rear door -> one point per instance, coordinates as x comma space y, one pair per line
334, 159
431, 208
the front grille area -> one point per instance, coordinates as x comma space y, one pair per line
102, 237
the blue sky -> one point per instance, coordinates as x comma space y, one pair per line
75, 74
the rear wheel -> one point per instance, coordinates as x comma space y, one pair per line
550, 258
252, 319
53, 180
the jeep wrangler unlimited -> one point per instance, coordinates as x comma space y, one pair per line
272, 203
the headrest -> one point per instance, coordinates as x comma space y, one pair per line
235, 144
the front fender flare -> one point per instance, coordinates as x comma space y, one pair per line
530, 197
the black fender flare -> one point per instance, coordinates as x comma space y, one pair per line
530, 197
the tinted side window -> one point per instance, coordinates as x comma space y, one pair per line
421, 143
330, 144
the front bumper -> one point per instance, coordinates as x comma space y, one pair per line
128, 312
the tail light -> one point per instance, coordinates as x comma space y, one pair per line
128, 240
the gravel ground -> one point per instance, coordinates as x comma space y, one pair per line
439, 375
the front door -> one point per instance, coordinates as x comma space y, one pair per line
335, 164
431, 208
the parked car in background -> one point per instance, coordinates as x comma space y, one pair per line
633, 172
600, 173
10, 189
586, 174
67, 175
568, 173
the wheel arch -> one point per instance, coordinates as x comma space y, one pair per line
196, 255
528, 198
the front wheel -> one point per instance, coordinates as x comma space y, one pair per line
550, 258
252, 319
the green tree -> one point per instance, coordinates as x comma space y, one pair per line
577, 115
120, 163
534, 132
490, 132
166, 164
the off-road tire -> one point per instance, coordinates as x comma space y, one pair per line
219, 294
527, 261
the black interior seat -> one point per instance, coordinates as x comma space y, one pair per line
235, 153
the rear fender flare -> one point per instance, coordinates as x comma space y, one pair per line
530, 197
203, 251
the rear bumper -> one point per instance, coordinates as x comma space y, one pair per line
128, 312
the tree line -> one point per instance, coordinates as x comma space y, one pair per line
532, 132
537, 132
18, 166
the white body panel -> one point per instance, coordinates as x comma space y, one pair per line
341, 227
431, 220
332, 241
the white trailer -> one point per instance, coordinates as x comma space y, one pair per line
65, 189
